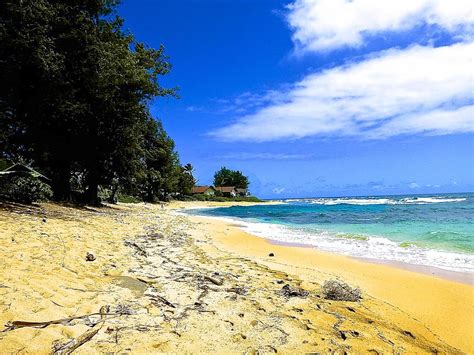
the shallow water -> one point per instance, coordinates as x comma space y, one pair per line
432, 230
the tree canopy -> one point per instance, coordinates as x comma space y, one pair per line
227, 177
75, 90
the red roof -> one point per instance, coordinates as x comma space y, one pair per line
201, 189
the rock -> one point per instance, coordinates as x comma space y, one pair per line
271, 254
90, 257
44, 220
289, 291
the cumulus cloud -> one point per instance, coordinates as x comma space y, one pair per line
322, 25
416, 90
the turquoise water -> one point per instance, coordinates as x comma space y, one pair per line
434, 230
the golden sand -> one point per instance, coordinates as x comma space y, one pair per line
174, 283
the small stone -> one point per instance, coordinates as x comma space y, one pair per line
44, 220
271, 254
90, 257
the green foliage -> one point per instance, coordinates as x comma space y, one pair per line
24, 189
74, 96
248, 199
227, 177
127, 199
3, 164
200, 197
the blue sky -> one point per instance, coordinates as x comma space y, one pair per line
320, 97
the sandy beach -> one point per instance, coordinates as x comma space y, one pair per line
159, 281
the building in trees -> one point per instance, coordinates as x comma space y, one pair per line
204, 190
227, 191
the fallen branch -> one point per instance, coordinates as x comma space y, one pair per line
139, 249
162, 300
214, 280
64, 321
69, 347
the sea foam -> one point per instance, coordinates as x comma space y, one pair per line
377, 201
371, 247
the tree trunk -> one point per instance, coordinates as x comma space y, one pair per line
92, 192
61, 184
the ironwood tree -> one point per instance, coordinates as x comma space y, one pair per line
75, 90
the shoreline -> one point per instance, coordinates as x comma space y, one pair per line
462, 277
416, 293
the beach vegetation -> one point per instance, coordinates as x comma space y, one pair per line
24, 189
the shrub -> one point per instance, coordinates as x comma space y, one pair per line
127, 198
25, 189
340, 291
199, 197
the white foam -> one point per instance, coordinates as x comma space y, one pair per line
373, 247
378, 201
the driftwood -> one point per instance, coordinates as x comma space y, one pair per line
157, 298
64, 321
68, 347
139, 249
215, 281
72, 345
22, 324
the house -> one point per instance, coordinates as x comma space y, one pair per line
242, 192
227, 191
23, 170
204, 190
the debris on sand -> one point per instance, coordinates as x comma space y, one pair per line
289, 291
340, 291
90, 257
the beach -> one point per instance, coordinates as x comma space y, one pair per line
161, 281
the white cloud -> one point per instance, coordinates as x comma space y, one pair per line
416, 90
321, 25
265, 156
413, 185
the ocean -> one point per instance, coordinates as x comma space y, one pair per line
430, 230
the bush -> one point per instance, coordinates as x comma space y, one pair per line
247, 199
127, 199
340, 291
199, 197
25, 189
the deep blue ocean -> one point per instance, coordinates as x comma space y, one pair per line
432, 230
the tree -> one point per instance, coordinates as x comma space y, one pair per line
186, 180
227, 177
74, 93
159, 175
